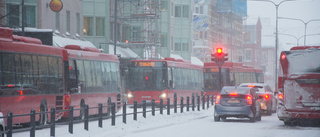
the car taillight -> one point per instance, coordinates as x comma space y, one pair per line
218, 99
280, 96
249, 99
266, 96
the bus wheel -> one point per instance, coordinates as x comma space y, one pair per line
43, 117
82, 109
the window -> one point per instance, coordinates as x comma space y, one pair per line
100, 29
30, 13
68, 21
13, 19
177, 11
185, 11
78, 23
57, 20
201, 9
164, 5
163, 41
177, 46
185, 46
88, 26
248, 55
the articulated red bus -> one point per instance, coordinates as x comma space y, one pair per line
232, 74
156, 79
299, 85
39, 77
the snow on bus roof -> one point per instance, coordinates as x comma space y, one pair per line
62, 42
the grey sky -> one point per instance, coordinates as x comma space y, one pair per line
301, 9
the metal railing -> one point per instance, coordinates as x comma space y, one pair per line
195, 103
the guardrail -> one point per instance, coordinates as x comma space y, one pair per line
195, 103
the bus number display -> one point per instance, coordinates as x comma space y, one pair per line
144, 64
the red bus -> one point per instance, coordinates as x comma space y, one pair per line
232, 74
39, 77
299, 85
156, 79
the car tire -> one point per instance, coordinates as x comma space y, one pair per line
216, 118
259, 118
269, 109
252, 119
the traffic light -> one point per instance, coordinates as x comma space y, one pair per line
219, 56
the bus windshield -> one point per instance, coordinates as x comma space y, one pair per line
303, 61
211, 79
145, 78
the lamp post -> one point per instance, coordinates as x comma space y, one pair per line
298, 38
305, 25
276, 52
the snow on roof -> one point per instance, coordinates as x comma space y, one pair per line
62, 42
124, 52
175, 56
196, 61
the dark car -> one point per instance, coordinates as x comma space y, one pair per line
267, 98
239, 102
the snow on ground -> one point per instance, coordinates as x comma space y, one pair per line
187, 124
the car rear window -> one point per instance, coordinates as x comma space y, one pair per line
251, 86
238, 90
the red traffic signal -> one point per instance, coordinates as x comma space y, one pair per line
219, 50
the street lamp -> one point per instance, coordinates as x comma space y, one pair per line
305, 25
298, 38
277, 7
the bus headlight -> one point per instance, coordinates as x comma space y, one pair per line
130, 95
163, 95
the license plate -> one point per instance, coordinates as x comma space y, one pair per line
233, 101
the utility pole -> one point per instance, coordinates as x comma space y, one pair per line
115, 27
23, 16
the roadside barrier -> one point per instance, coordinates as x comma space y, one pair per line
9, 130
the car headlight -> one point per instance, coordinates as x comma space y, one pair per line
130, 95
163, 95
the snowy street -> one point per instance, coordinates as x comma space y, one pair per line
187, 124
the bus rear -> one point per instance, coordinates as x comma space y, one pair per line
299, 85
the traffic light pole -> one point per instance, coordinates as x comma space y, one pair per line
220, 78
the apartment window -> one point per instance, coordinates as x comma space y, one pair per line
15, 17
100, 29
164, 5
185, 11
177, 46
185, 46
177, 11
87, 26
68, 21
30, 12
57, 20
201, 9
201, 34
197, 10
78, 23
163, 40
248, 55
